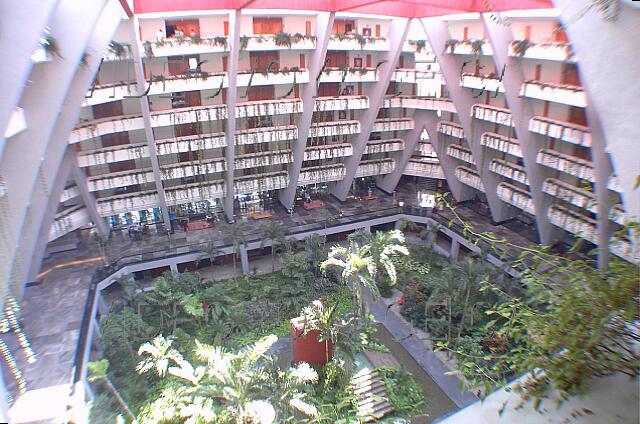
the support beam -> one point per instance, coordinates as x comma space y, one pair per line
398, 30
141, 85
244, 260
235, 19
437, 32
89, 200
324, 23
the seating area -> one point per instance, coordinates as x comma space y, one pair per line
314, 204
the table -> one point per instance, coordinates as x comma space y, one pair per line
261, 215
197, 225
314, 204
369, 197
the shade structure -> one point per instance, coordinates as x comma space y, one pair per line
396, 8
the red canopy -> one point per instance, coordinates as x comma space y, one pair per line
400, 8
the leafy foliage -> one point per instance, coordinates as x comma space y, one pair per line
404, 393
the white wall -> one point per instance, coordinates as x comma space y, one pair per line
476, 29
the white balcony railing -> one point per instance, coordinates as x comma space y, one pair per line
557, 93
185, 46
461, 153
275, 77
566, 131
393, 124
341, 103
268, 108
270, 42
569, 193
384, 146
368, 168
568, 164
614, 184
256, 160
124, 203
501, 143
419, 168
192, 169
322, 174
329, 151
349, 75
426, 149
328, 129
68, 220
266, 135
618, 215
482, 82
112, 154
120, 179
69, 193
450, 128
469, 177
493, 114
560, 52
263, 182
190, 143
475, 47
626, 250
573, 222
421, 103
509, 170
517, 197
411, 76
195, 192
357, 42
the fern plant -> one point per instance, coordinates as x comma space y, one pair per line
283, 39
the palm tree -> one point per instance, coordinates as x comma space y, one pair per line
210, 252
328, 218
274, 232
383, 247
98, 373
314, 244
237, 237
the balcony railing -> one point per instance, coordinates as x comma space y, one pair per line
329, 151
469, 177
509, 170
195, 192
569, 193
123, 203
573, 222
426, 149
568, 164
368, 168
493, 114
614, 184
421, 103
328, 129
384, 146
618, 215
112, 154
411, 76
68, 220
475, 47
357, 42
625, 250
190, 143
501, 143
420, 168
185, 46
256, 160
263, 182
274, 77
268, 108
272, 42
120, 179
517, 197
488, 83
266, 135
69, 193
450, 128
558, 93
322, 174
393, 124
191, 169
461, 153
349, 75
566, 131
341, 103
560, 52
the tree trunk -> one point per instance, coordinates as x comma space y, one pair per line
121, 400
175, 316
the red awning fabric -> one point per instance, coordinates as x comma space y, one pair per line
398, 8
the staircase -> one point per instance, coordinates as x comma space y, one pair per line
368, 387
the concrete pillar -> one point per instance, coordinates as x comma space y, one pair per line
244, 260
455, 249
173, 266
398, 29
103, 306
141, 85
89, 201
324, 23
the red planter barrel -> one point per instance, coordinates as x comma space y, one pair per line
307, 348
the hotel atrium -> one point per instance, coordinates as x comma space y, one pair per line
212, 172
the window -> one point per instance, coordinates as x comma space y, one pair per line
357, 62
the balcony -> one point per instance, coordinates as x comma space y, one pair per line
194, 192
349, 75
262, 182
273, 77
190, 143
421, 103
68, 220
614, 184
450, 128
469, 177
474, 47
268, 108
329, 151
120, 179
509, 170
411, 76
185, 46
517, 197
191, 169
501, 143
266, 135
489, 83
160, 85
329, 129
123, 203
566, 94
618, 215
341, 103
357, 42
573, 222
370, 168
393, 124
112, 154
625, 250
256, 160
69, 193
461, 153
569, 193
566, 131
421, 168
282, 41
559, 52
565, 163
426, 149
497, 115
322, 174
384, 146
